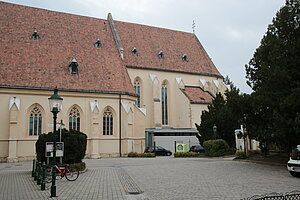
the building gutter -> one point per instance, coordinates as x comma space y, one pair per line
69, 90
176, 71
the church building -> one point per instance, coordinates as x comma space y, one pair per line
122, 84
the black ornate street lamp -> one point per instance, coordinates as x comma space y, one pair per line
55, 102
215, 131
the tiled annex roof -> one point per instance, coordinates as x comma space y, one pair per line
197, 95
148, 41
44, 63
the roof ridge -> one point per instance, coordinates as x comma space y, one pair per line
49, 10
93, 17
153, 26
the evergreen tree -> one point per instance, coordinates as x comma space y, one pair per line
273, 74
223, 112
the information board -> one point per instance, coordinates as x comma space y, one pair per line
59, 149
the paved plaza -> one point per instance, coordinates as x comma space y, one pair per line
153, 178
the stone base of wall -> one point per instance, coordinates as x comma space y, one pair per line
109, 155
17, 159
3, 160
12, 160
30, 158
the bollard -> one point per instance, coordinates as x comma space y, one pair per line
33, 168
39, 174
36, 171
43, 183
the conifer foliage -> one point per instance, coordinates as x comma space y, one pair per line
274, 75
224, 114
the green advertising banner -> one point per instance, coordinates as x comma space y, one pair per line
181, 147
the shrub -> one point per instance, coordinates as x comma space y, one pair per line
216, 148
185, 154
79, 166
74, 145
132, 154
147, 155
240, 154
253, 152
141, 155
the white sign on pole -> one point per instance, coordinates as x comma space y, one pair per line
58, 125
59, 149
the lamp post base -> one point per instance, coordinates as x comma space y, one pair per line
53, 191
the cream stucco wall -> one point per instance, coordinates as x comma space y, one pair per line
197, 112
182, 114
17, 144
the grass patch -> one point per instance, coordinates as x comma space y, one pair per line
278, 158
256, 155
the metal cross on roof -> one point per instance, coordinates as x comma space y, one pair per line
193, 26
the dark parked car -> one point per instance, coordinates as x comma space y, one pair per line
197, 148
159, 151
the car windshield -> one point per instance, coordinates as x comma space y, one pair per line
295, 152
297, 149
157, 148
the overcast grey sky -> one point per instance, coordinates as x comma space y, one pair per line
229, 30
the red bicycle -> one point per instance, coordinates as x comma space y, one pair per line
70, 173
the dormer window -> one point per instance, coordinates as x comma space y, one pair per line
160, 54
184, 58
98, 44
35, 35
134, 51
73, 67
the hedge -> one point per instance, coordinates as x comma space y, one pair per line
240, 154
74, 145
185, 154
216, 148
141, 155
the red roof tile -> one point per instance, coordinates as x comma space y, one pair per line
150, 40
44, 63
197, 95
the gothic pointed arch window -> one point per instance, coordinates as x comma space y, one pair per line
74, 119
35, 121
137, 89
164, 103
108, 122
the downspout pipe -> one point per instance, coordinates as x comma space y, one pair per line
120, 127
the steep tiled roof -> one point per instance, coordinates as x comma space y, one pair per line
197, 95
44, 63
148, 41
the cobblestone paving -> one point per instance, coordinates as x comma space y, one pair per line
97, 183
203, 178
160, 178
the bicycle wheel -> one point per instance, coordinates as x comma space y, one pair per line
71, 174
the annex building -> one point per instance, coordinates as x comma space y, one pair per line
122, 83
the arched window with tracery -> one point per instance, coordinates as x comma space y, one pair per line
108, 122
137, 89
164, 103
74, 119
35, 121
